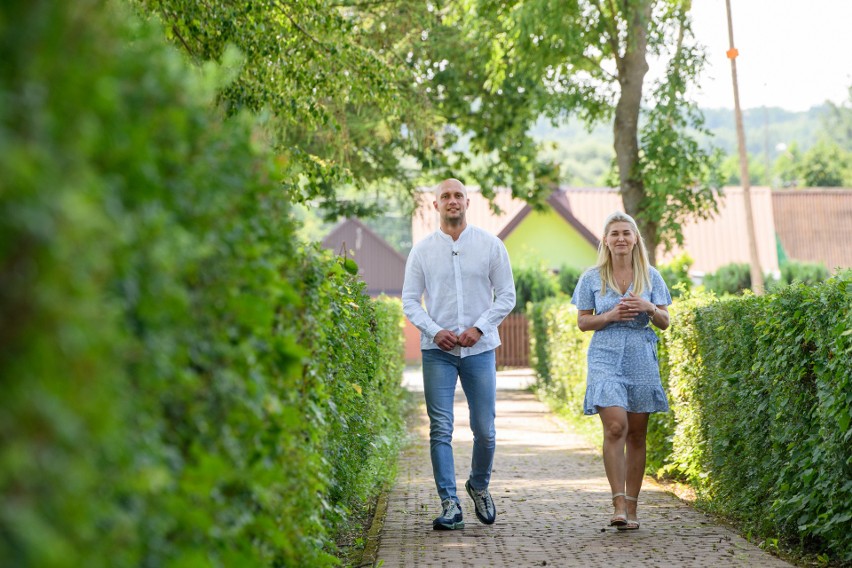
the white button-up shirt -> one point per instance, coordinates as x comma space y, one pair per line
466, 283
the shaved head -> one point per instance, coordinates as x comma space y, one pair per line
451, 184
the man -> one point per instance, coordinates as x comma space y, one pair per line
465, 276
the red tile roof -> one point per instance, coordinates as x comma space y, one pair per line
711, 243
815, 225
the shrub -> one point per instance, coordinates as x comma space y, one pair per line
676, 274
808, 273
559, 351
568, 278
184, 384
762, 406
533, 284
673, 448
732, 278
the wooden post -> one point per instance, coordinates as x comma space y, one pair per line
756, 272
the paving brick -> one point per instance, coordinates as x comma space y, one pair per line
552, 501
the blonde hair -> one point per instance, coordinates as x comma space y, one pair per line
641, 272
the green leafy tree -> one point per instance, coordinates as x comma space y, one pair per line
825, 165
342, 106
729, 170
837, 123
787, 166
523, 59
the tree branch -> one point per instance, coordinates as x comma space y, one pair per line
363, 4
597, 65
176, 31
612, 32
296, 25
681, 18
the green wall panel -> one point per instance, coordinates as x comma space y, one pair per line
546, 237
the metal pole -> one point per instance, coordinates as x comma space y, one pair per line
756, 272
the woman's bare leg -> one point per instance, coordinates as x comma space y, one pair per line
614, 420
637, 430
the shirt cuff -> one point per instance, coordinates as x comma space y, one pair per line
482, 327
433, 330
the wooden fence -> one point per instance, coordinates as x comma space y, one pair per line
515, 335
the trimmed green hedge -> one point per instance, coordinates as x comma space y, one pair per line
761, 395
558, 350
183, 383
763, 412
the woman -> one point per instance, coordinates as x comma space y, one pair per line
619, 299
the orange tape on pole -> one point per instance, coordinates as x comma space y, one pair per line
732, 53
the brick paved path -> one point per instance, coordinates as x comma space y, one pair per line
552, 499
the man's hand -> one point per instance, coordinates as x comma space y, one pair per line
469, 337
446, 340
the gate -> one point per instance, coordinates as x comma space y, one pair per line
515, 335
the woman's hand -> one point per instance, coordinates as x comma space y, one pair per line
632, 305
587, 320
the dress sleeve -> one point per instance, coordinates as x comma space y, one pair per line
660, 295
584, 293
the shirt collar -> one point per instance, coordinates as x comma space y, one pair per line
447, 237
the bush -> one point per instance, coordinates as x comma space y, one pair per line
183, 383
736, 278
568, 277
533, 284
792, 271
732, 278
558, 350
676, 274
762, 392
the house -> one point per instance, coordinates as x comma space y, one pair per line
815, 225
546, 235
567, 232
380, 265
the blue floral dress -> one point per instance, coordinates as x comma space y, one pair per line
623, 369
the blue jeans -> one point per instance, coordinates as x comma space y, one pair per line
478, 374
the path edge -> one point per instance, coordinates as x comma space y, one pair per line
371, 544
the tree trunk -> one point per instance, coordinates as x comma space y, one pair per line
632, 67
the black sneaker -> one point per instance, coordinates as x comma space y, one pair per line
451, 517
483, 503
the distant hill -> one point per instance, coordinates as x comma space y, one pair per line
586, 156
765, 129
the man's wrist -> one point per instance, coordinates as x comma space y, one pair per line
479, 330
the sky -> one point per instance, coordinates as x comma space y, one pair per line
793, 54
